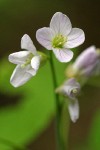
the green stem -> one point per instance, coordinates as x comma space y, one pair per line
58, 107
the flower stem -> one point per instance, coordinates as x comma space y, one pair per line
59, 140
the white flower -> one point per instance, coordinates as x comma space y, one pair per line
71, 89
28, 62
60, 37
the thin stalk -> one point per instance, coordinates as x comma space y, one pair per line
58, 108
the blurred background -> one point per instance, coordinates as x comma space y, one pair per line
27, 114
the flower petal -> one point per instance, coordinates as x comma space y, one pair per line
75, 38
44, 37
60, 24
73, 108
18, 57
27, 44
32, 71
19, 76
63, 55
35, 62
86, 58
89, 71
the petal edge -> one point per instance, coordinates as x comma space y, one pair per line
75, 38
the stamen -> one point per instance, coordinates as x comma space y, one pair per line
27, 61
59, 41
75, 92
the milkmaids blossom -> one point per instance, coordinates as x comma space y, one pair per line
27, 61
86, 64
60, 37
70, 89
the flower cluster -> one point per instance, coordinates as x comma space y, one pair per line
60, 38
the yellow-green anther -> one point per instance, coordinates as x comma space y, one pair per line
59, 41
75, 91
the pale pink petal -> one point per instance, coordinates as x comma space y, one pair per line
18, 57
63, 55
32, 71
44, 37
60, 24
35, 62
75, 38
86, 58
27, 44
20, 76
73, 108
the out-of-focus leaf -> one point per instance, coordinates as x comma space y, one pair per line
6, 69
5, 147
34, 111
94, 137
26, 120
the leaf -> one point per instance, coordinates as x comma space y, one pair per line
5, 147
36, 105
31, 115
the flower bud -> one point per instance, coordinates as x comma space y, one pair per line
71, 89
85, 64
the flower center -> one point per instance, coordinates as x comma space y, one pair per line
27, 61
75, 92
59, 41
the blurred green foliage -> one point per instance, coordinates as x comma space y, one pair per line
36, 107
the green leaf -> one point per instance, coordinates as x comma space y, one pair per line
5, 147
36, 105
31, 115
